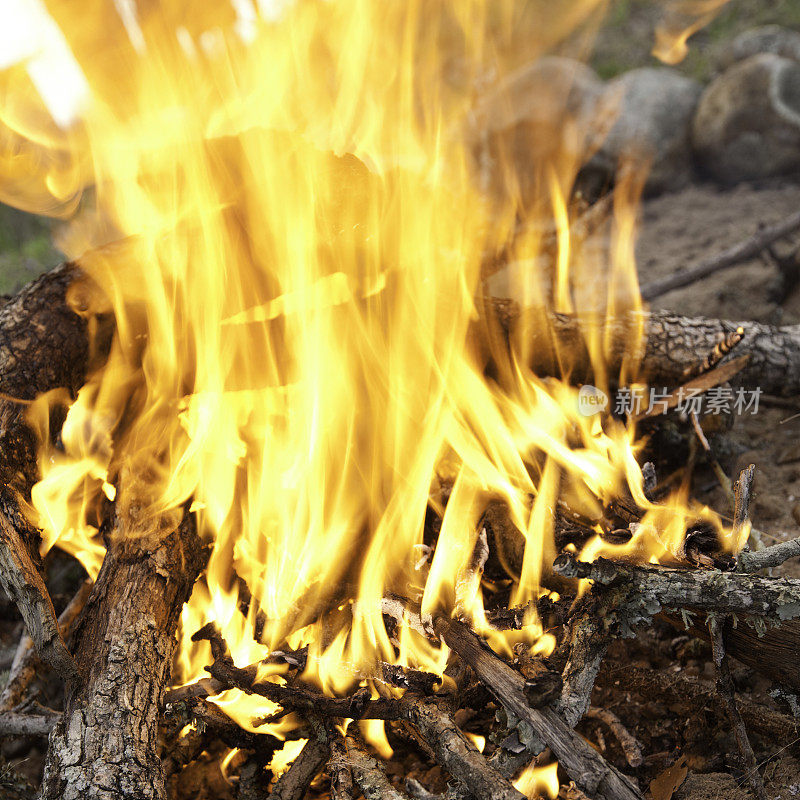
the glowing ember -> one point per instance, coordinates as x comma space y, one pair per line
300, 351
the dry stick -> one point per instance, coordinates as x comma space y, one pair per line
588, 645
294, 783
773, 556
726, 690
680, 688
627, 741
15, 724
22, 581
455, 752
23, 669
721, 349
582, 763
106, 745
742, 491
744, 250
368, 774
716, 627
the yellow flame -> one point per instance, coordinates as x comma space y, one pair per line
288, 216
682, 20
536, 781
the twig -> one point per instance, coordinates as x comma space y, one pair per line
205, 687
455, 752
627, 741
291, 698
702, 383
726, 690
294, 783
724, 480
368, 774
742, 491
586, 767
680, 688
773, 556
23, 669
749, 248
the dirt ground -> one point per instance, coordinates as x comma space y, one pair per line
677, 230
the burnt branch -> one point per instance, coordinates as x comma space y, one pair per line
294, 783
368, 774
590, 771
455, 752
23, 670
657, 588
726, 690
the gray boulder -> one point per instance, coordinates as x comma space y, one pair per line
747, 124
652, 109
547, 107
767, 39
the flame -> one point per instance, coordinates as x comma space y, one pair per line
536, 781
284, 208
682, 20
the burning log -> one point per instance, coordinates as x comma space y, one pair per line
106, 744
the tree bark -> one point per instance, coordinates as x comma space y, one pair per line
106, 745
673, 344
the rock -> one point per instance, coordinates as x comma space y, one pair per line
747, 124
544, 110
653, 110
767, 39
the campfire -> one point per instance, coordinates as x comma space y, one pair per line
352, 424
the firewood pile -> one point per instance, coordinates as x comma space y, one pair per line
116, 727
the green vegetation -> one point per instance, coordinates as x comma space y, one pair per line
26, 248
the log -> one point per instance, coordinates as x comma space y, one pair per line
106, 745
674, 344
